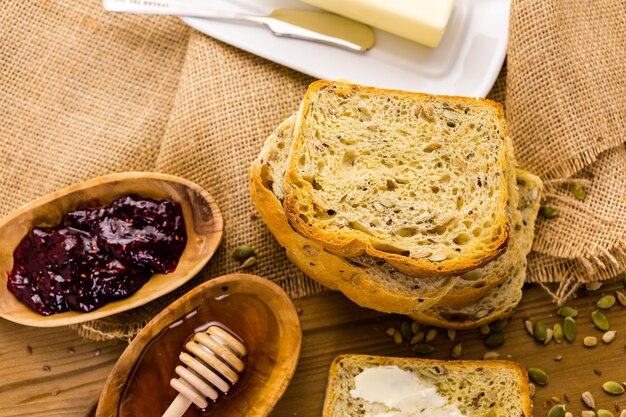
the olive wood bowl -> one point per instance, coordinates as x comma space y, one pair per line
203, 223
253, 308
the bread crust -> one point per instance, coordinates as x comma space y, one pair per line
517, 369
355, 243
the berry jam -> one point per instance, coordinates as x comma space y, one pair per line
97, 255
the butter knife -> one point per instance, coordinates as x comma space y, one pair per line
326, 28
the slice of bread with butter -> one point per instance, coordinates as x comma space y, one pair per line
377, 386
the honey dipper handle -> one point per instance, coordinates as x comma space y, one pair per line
178, 407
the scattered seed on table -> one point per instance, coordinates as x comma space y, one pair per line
248, 263
71, 351
557, 333
588, 413
549, 334
557, 411
456, 351
593, 286
529, 327
46, 368
495, 340
613, 388
423, 349
299, 311
558, 358
569, 329
484, 330
606, 302
451, 334
430, 335
419, 337
405, 330
491, 355
567, 311
29, 350
588, 399
597, 372
539, 331
608, 337
623, 413
600, 320
537, 376
590, 341
397, 338
242, 252
568, 414
97, 352
621, 297
531, 389
604, 413
498, 325
566, 397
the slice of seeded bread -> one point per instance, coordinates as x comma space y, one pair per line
502, 300
476, 388
393, 175
367, 281
475, 284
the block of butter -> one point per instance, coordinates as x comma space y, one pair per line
422, 21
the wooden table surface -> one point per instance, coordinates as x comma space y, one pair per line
53, 372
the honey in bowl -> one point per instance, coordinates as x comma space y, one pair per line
241, 315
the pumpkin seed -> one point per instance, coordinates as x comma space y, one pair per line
613, 388
405, 330
599, 320
456, 351
391, 331
498, 325
251, 261
548, 212
531, 389
557, 333
549, 334
495, 340
423, 349
557, 411
621, 297
539, 331
430, 335
491, 355
590, 341
529, 326
606, 302
568, 414
567, 311
242, 252
569, 329
451, 334
604, 413
484, 330
419, 337
579, 191
397, 338
608, 336
415, 327
588, 413
537, 376
588, 399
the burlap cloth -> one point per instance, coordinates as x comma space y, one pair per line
85, 93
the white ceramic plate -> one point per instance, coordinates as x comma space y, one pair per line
466, 63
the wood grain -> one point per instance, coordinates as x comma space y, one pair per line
203, 223
331, 325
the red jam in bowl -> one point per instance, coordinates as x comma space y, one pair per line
97, 255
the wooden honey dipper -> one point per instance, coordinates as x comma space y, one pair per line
215, 367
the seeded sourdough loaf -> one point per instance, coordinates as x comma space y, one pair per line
502, 300
367, 281
477, 388
417, 180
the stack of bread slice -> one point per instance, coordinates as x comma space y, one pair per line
407, 203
